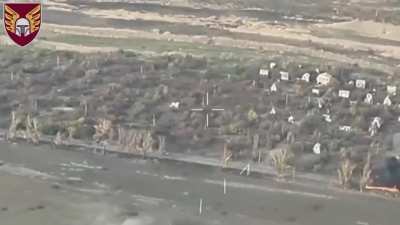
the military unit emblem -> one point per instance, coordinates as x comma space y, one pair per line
22, 21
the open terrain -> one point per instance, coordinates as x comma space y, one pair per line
154, 53
52, 186
129, 74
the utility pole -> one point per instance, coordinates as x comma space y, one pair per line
201, 207
224, 186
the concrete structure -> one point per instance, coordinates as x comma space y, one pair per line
374, 126
264, 72
291, 119
361, 84
317, 148
273, 88
327, 118
344, 93
391, 90
324, 79
284, 75
345, 128
369, 99
273, 111
387, 101
174, 105
306, 77
315, 91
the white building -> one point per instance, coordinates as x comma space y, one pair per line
284, 75
315, 91
317, 148
273, 87
377, 121
306, 77
174, 105
264, 72
391, 90
361, 84
345, 128
291, 119
327, 118
324, 79
369, 99
374, 126
273, 111
387, 101
344, 93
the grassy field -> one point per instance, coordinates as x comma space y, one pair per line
224, 54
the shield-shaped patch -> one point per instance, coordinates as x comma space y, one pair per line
22, 21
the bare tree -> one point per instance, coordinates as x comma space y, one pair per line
161, 144
256, 139
103, 130
280, 161
12, 130
366, 173
345, 172
31, 126
227, 154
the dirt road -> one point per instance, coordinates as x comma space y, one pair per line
45, 186
130, 26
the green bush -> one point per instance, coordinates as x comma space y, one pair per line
310, 124
51, 129
84, 132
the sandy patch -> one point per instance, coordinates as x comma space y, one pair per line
171, 18
59, 5
59, 9
218, 41
367, 29
253, 26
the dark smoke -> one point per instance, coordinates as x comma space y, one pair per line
387, 174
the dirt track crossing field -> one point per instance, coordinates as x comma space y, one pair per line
362, 43
38, 182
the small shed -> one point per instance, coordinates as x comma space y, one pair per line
344, 93
324, 79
